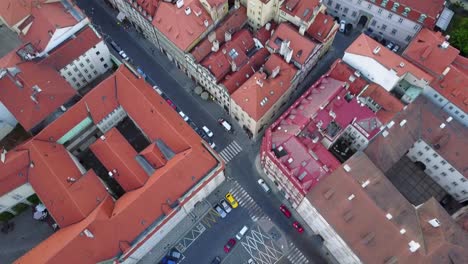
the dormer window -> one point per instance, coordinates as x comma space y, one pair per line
406, 11
395, 6
421, 18
384, 3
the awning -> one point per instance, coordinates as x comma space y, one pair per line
444, 19
120, 16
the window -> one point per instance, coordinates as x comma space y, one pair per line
443, 162
463, 179
89, 76
369, 6
435, 155
337, 6
101, 59
86, 71
435, 167
400, 20
416, 27
384, 3
80, 75
380, 11
105, 65
428, 160
420, 153
455, 184
452, 170
75, 69
406, 11
441, 99
395, 6
98, 52
74, 79
462, 116
87, 60
69, 73
373, 23
81, 65
91, 66
346, 10
464, 192
443, 174
359, 2
426, 148
95, 72
421, 18
390, 15
354, 14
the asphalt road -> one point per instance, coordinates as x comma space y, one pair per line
178, 88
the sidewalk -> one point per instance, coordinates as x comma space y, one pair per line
325, 253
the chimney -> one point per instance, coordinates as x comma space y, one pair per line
3, 155
180, 3
442, 126
260, 82
364, 184
268, 26
302, 30
206, 23
215, 46
237, 4
351, 197
376, 50
212, 36
275, 72
233, 66
188, 11
284, 47
103, 137
227, 36
434, 222
444, 45
413, 246
444, 73
71, 179
347, 168
110, 174
88, 233
447, 37
288, 55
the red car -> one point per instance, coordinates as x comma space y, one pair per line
298, 227
285, 211
230, 244
169, 102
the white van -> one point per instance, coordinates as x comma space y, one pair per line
225, 124
242, 232
264, 185
184, 116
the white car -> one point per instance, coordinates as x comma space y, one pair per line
184, 116
225, 206
207, 131
123, 55
212, 145
220, 211
342, 26
264, 186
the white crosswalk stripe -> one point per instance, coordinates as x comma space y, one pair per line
229, 152
295, 256
246, 201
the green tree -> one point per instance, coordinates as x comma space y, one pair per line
459, 35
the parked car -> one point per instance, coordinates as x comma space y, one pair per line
175, 255
225, 124
264, 186
212, 145
231, 200
216, 260
169, 102
141, 72
396, 48
119, 50
390, 45
298, 227
156, 88
250, 261
342, 26
207, 131
242, 232
285, 211
229, 245
220, 211
225, 206
184, 116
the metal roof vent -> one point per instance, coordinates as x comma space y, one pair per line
414, 246
442, 125
290, 160
347, 168
351, 197
180, 3
188, 11
449, 119
402, 231
364, 184
434, 222
376, 50
389, 216
88, 233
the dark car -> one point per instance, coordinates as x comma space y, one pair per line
216, 260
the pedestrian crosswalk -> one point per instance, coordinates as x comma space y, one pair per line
229, 152
246, 201
295, 256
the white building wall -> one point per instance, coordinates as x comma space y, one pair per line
88, 66
112, 119
6, 116
439, 100
440, 170
372, 70
332, 241
391, 26
15, 196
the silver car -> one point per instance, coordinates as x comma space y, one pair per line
220, 211
225, 206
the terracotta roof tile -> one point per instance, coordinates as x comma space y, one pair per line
232, 23
423, 121
342, 72
13, 11
250, 95
322, 27
72, 49
301, 9
14, 170
181, 29
55, 91
263, 34
302, 46
389, 104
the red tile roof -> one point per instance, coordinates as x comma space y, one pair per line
232, 23
365, 46
14, 172
44, 23
216, 3
423, 120
250, 95
263, 34
301, 9
13, 11
389, 104
363, 225
234, 80
116, 153
55, 92
321, 28
302, 46
425, 51
181, 29
149, 6
72, 49
342, 72
190, 164
233, 52
448, 68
